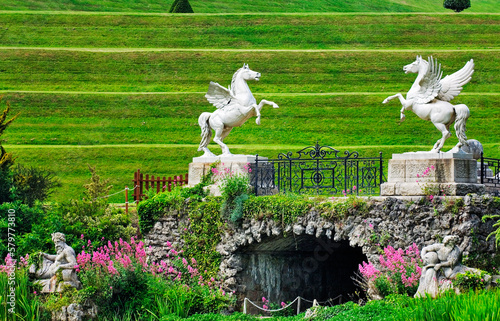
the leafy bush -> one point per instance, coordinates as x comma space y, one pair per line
343, 207
33, 184
456, 5
29, 228
166, 203
496, 232
6, 180
400, 273
470, 280
161, 204
6, 160
92, 216
119, 278
284, 208
203, 235
234, 191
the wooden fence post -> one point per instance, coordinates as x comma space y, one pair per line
166, 184
126, 200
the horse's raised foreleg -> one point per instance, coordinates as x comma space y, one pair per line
259, 107
445, 130
405, 103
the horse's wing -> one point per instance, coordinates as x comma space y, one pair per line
429, 84
451, 85
218, 95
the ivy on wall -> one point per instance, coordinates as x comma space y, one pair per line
206, 221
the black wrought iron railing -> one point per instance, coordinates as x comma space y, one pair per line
318, 170
490, 174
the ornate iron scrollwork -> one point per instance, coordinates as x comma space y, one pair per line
319, 170
490, 174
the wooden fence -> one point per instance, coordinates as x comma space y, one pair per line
143, 183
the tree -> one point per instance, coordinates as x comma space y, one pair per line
6, 159
456, 5
181, 6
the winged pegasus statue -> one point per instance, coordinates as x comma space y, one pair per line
235, 105
429, 98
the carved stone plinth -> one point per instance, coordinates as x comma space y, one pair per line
234, 163
424, 173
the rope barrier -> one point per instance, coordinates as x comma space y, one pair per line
275, 310
329, 301
123, 190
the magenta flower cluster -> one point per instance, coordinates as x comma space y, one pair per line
11, 263
121, 255
401, 268
426, 172
226, 173
108, 257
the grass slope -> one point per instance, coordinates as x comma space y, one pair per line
282, 72
388, 32
231, 6
74, 97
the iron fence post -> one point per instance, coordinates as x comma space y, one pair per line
381, 180
256, 174
345, 175
482, 169
357, 177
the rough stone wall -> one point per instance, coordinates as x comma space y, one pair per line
167, 229
398, 222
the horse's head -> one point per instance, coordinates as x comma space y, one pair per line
248, 74
414, 66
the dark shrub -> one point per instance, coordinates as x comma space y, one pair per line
456, 5
33, 184
181, 6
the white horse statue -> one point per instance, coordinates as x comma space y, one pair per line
429, 98
235, 105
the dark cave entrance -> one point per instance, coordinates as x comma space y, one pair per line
280, 269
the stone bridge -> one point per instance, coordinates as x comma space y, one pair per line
316, 258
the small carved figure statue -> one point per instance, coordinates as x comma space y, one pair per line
64, 261
235, 105
442, 262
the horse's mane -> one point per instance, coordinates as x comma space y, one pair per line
234, 79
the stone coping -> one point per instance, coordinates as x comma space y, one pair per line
429, 155
236, 158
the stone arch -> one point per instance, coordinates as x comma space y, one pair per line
260, 259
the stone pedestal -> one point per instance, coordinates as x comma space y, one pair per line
453, 174
234, 163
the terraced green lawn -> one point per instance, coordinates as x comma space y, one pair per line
330, 31
124, 91
225, 6
282, 72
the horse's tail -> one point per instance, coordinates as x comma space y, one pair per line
206, 131
462, 114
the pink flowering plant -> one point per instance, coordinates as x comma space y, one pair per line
18, 299
120, 273
399, 272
